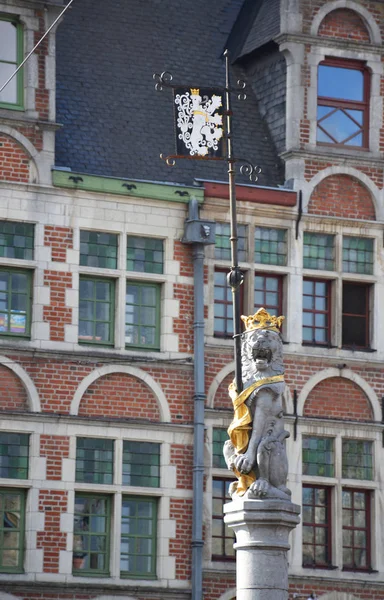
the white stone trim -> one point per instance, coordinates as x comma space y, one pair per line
165, 413
329, 7
219, 378
4, 596
346, 374
29, 386
25, 144
337, 596
228, 595
309, 187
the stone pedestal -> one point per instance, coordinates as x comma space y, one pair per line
262, 528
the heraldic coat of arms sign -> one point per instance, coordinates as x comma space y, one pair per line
199, 122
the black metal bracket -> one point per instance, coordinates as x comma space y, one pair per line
300, 213
295, 415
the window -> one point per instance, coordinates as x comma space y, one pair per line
94, 460
316, 312
357, 255
223, 243
16, 239
142, 315
98, 249
91, 534
222, 537
270, 246
11, 55
96, 311
14, 454
318, 456
319, 251
141, 464
144, 255
223, 307
316, 526
356, 529
357, 460
138, 537
219, 437
15, 302
355, 317
12, 530
343, 103
268, 293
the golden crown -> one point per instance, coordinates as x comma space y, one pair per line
195, 91
262, 320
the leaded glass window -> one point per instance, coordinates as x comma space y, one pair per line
223, 243
12, 513
268, 293
11, 55
98, 249
357, 459
16, 239
223, 538
141, 463
318, 456
138, 537
14, 455
142, 315
144, 255
316, 311
219, 437
96, 311
356, 529
319, 251
91, 534
316, 526
270, 246
357, 255
94, 460
15, 302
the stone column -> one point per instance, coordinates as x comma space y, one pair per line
262, 528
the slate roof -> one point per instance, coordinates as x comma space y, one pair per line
114, 122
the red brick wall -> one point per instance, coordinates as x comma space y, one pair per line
180, 546
182, 457
13, 395
14, 161
59, 239
119, 395
338, 398
52, 540
344, 23
342, 196
55, 448
222, 399
178, 387
57, 314
183, 325
41, 94
183, 254
310, 8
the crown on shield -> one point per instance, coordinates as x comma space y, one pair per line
262, 320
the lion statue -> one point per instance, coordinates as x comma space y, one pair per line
256, 448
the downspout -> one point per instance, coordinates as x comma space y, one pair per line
198, 233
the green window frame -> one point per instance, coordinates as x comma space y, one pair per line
12, 530
318, 456
219, 436
141, 463
319, 251
94, 460
145, 255
357, 255
142, 315
271, 246
98, 249
16, 240
357, 459
11, 56
14, 455
96, 311
91, 535
223, 242
15, 302
138, 537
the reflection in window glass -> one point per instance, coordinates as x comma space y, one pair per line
223, 538
356, 529
94, 460
138, 537
357, 255
270, 246
318, 456
316, 526
223, 244
219, 437
16, 239
91, 534
14, 455
357, 459
142, 315
337, 82
144, 255
11, 52
11, 530
141, 464
319, 251
96, 311
15, 302
98, 249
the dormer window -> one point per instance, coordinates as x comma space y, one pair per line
11, 55
343, 103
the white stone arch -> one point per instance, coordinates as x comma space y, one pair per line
346, 374
29, 386
219, 378
344, 170
229, 595
24, 142
369, 21
165, 413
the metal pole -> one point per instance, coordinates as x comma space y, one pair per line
235, 277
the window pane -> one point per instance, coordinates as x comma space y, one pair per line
355, 318
9, 93
142, 314
144, 255
338, 82
16, 239
14, 453
268, 293
357, 255
270, 246
98, 249
223, 244
223, 309
94, 460
96, 306
91, 534
219, 437
316, 524
316, 312
11, 530
357, 460
318, 457
223, 538
15, 302
319, 251
356, 529
138, 537
141, 464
